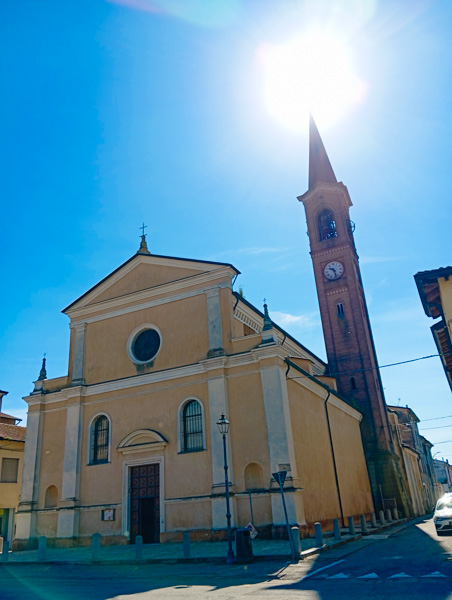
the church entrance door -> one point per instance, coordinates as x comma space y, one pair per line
145, 503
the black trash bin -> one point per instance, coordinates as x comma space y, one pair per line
243, 547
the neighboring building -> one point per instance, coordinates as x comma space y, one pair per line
127, 442
349, 344
12, 442
435, 291
418, 460
443, 471
437, 491
408, 458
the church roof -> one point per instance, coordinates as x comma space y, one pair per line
276, 326
320, 169
160, 257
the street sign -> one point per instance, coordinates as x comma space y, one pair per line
280, 477
253, 531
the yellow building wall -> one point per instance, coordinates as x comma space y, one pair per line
9, 492
445, 289
314, 457
51, 452
184, 340
351, 465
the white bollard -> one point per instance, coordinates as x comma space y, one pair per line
395, 514
363, 523
42, 548
382, 517
351, 526
388, 515
186, 544
318, 535
373, 520
295, 533
95, 546
139, 547
337, 529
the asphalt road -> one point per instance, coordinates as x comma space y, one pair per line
412, 563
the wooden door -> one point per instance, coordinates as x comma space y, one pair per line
145, 503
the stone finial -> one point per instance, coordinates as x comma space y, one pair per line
267, 321
43, 371
143, 249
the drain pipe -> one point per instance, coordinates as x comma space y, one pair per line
334, 459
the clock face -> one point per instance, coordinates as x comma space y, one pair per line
333, 270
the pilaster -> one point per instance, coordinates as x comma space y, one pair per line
215, 328
26, 515
67, 515
78, 372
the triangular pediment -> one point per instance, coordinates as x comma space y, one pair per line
144, 272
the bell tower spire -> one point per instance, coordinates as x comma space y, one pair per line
320, 169
350, 350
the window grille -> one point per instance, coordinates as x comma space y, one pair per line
100, 440
340, 309
192, 435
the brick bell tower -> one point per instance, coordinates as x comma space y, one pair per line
348, 338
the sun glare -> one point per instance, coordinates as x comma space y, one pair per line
311, 74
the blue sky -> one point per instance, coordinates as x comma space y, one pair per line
114, 113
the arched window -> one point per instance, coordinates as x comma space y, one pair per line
100, 440
51, 497
254, 477
340, 309
191, 427
327, 225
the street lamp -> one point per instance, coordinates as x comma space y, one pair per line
223, 426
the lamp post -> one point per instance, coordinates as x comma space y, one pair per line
223, 426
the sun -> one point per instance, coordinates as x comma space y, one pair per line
312, 74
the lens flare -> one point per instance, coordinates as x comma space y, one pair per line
311, 74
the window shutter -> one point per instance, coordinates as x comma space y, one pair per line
10, 468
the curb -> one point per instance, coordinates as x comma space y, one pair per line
214, 559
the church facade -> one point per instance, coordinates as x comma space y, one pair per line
127, 442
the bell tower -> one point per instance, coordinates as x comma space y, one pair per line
346, 327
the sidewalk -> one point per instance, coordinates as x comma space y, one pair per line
214, 552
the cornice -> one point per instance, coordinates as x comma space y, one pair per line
331, 250
312, 194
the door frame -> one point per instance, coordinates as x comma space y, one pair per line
125, 528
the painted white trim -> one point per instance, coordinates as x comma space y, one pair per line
206, 270
133, 336
90, 434
125, 525
179, 423
153, 436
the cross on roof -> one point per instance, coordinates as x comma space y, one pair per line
143, 227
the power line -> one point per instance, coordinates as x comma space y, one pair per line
430, 428
403, 362
437, 418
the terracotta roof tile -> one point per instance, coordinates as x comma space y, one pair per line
13, 433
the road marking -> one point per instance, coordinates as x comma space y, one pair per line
339, 576
400, 576
435, 574
369, 576
322, 569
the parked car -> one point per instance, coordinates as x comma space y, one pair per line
443, 514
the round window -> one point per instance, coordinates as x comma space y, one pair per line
146, 345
